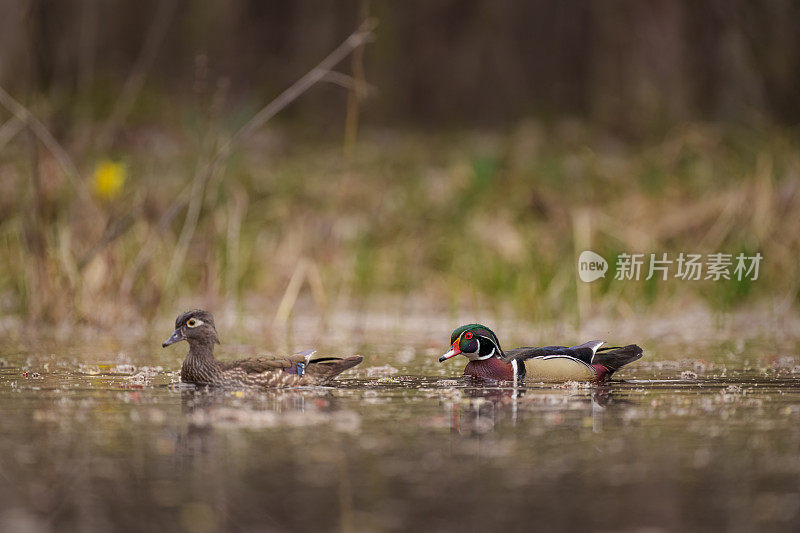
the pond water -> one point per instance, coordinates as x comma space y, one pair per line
119, 445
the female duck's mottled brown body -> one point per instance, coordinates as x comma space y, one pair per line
201, 367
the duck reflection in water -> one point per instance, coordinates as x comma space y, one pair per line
487, 406
207, 407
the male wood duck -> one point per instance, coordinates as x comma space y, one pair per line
200, 367
585, 362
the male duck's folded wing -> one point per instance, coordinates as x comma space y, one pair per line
529, 352
586, 351
583, 352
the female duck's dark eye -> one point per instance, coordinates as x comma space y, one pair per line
468, 335
191, 323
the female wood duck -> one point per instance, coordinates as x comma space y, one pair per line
585, 362
200, 367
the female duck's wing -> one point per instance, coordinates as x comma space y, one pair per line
317, 369
266, 363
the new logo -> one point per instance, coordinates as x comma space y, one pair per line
591, 266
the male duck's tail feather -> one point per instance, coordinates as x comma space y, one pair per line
615, 357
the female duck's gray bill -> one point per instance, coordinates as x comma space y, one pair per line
176, 336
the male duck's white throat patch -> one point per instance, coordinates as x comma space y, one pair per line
476, 355
487, 356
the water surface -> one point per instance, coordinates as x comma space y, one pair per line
115, 444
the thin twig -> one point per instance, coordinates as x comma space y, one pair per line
305, 270
236, 213
291, 293
135, 81
201, 178
582, 240
361, 36
46, 138
115, 229
353, 97
10, 129
314, 278
361, 88
146, 250
87, 42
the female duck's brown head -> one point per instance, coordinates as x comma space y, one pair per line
195, 327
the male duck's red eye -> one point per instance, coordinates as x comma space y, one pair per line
468, 335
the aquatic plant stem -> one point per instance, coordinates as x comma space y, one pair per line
361, 36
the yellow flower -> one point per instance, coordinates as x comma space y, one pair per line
109, 177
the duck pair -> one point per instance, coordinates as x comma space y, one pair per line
585, 362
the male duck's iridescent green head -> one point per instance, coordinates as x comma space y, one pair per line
473, 341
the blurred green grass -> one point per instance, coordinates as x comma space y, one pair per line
479, 218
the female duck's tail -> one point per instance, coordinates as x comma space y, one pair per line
324, 369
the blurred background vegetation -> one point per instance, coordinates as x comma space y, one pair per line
460, 158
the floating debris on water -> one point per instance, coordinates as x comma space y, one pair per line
141, 378
89, 370
575, 385
345, 420
385, 370
123, 369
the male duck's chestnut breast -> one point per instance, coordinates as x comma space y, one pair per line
492, 368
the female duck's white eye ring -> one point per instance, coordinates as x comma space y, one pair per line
194, 322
